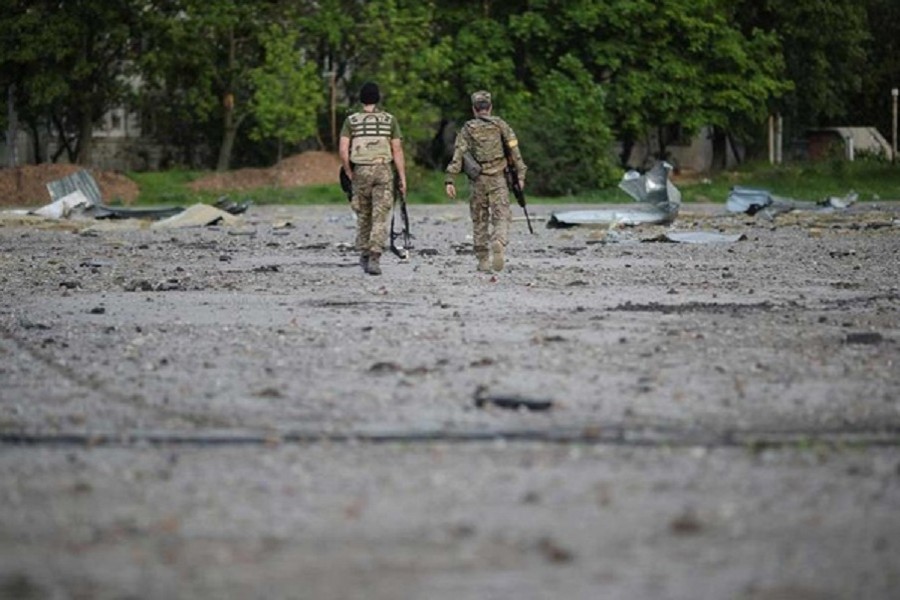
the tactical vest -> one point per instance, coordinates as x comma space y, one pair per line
486, 142
370, 137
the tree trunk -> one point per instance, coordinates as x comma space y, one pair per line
663, 153
84, 152
333, 107
627, 148
229, 121
719, 149
734, 150
230, 129
35, 133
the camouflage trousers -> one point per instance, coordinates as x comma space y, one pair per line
489, 209
373, 197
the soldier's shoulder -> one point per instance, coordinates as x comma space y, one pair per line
506, 128
383, 117
481, 122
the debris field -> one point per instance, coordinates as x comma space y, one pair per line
238, 411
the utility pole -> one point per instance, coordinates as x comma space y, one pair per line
894, 93
12, 135
779, 139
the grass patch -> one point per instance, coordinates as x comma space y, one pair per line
873, 180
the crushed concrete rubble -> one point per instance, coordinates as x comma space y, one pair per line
225, 412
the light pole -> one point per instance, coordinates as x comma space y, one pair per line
894, 93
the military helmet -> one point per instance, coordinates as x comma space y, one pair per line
481, 99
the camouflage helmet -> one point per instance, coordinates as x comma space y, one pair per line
481, 99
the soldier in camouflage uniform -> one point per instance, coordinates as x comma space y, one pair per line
370, 142
480, 153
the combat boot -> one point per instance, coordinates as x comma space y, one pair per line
364, 261
373, 267
484, 264
497, 249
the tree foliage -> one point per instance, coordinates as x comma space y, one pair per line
287, 90
571, 75
69, 63
872, 104
397, 51
823, 44
564, 132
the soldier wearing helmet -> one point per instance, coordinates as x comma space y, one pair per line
483, 147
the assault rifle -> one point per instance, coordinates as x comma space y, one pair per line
512, 180
346, 185
402, 251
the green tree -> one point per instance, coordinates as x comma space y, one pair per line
328, 29
669, 63
69, 62
287, 90
200, 62
872, 105
824, 47
398, 49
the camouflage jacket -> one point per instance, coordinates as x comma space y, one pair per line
483, 138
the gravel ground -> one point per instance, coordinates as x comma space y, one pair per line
241, 412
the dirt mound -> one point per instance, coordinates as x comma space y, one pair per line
27, 185
308, 168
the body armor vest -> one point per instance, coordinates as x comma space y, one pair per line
370, 138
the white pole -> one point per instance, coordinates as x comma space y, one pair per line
771, 139
779, 139
894, 93
12, 134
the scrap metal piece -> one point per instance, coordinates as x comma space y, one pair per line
230, 206
63, 207
697, 237
756, 200
864, 337
748, 200
78, 181
609, 216
838, 202
510, 402
653, 187
102, 211
657, 197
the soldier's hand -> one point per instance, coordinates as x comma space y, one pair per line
451, 191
